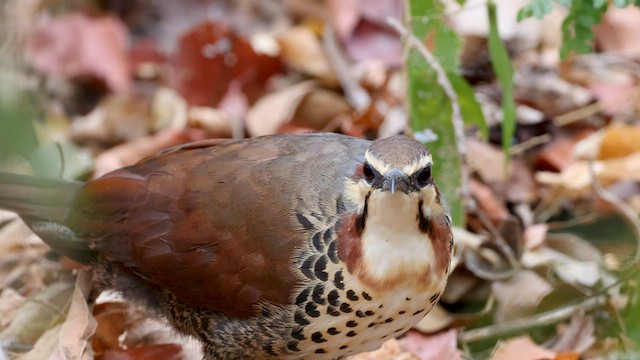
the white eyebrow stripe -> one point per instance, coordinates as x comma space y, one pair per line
410, 169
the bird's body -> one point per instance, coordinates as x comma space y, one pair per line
311, 246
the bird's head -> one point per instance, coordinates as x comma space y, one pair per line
401, 227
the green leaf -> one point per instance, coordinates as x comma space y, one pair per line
577, 34
501, 64
537, 8
429, 107
471, 110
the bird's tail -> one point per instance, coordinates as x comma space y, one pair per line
44, 205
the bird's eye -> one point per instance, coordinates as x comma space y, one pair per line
424, 177
367, 173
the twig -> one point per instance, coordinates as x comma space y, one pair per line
625, 210
526, 324
456, 116
355, 94
528, 144
591, 109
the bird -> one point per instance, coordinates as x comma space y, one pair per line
289, 246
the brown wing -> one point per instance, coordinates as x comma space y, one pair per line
215, 222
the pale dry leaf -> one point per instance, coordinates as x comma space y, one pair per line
442, 345
391, 349
216, 123
75, 44
619, 140
437, 319
301, 50
345, 15
40, 314
45, 345
275, 109
168, 110
578, 335
511, 301
535, 235
616, 33
522, 348
79, 324
574, 246
585, 273
10, 302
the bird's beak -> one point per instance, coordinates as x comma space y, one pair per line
396, 180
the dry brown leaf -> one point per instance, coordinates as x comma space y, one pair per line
10, 302
617, 31
438, 346
320, 108
301, 50
272, 111
45, 345
76, 44
619, 141
522, 348
488, 202
519, 296
210, 56
117, 118
79, 324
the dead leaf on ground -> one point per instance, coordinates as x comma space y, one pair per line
210, 56
391, 349
577, 336
301, 50
10, 302
619, 140
437, 319
522, 348
443, 345
616, 32
75, 44
79, 324
509, 295
272, 111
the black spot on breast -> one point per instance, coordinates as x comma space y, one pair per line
360, 313
381, 306
302, 297
298, 334
307, 267
317, 242
333, 253
334, 297
372, 324
316, 337
338, 280
318, 291
306, 224
401, 312
332, 311
345, 308
369, 313
352, 333
351, 323
434, 297
408, 298
399, 330
327, 236
333, 331
351, 295
343, 347
300, 319
293, 345
321, 351
320, 267
366, 296
388, 320
418, 312
311, 310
